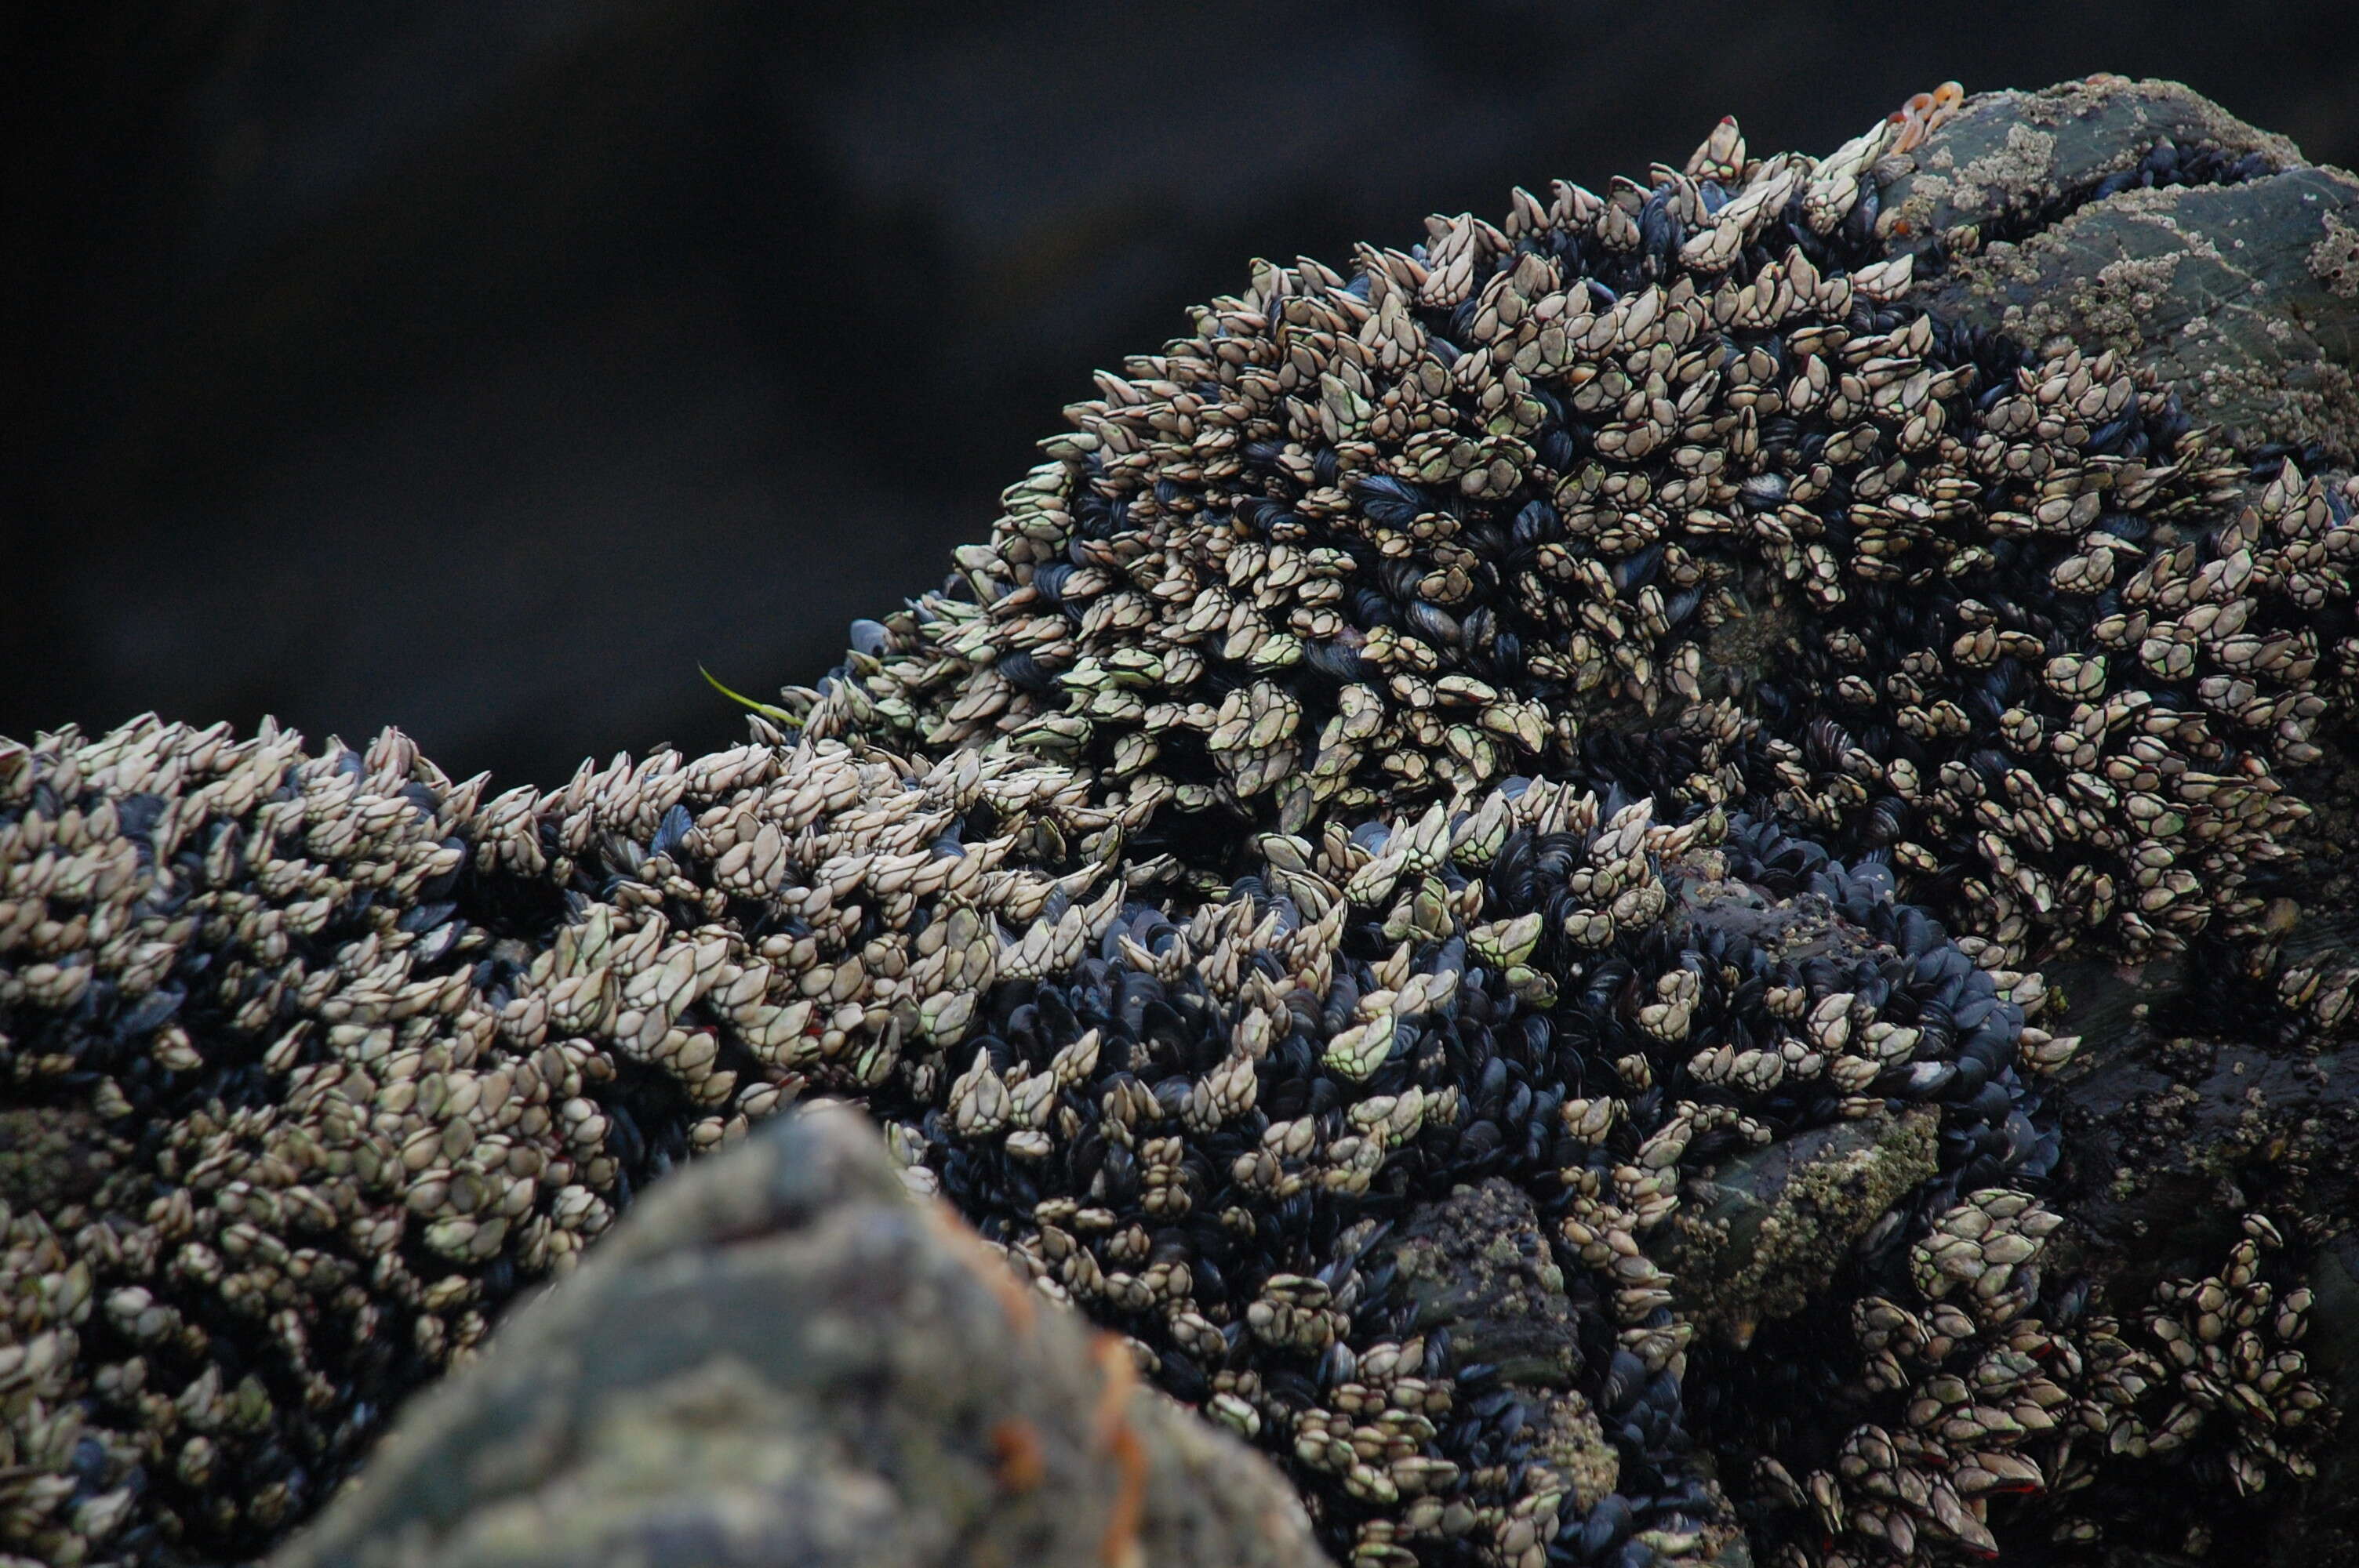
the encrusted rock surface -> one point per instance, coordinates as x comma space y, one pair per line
2087, 212
1765, 1234
783, 1358
1633, 887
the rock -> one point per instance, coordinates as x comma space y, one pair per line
1480, 1265
51, 1160
2323, 1531
2245, 295
2009, 157
782, 1358
1766, 1233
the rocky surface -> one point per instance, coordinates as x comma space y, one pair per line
2177, 1114
2085, 212
1446, 1155
2176, 1122
784, 1358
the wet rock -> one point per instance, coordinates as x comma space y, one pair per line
2324, 1530
1482, 1273
2009, 157
1480, 1264
50, 1159
2172, 1136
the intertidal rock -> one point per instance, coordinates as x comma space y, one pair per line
350, 1053
783, 1358
1502, 866
1765, 1233
2139, 218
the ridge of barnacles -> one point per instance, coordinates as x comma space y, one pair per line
1519, 496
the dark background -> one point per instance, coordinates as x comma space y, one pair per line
486, 365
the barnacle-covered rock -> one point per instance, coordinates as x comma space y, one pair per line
1196, 1119
1480, 1263
2176, 1135
1972, 1401
1380, 535
2119, 215
1487, 1051
1500, 867
1768, 1232
331, 1057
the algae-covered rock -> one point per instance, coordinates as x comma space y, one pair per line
2140, 217
1765, 1233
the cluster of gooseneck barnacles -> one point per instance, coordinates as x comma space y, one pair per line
1611, 702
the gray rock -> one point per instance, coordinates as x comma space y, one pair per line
1481, 1266
2245, 297
1766, 1233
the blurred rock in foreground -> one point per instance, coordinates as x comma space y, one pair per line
782, 1358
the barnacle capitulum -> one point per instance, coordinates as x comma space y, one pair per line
1582, 731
